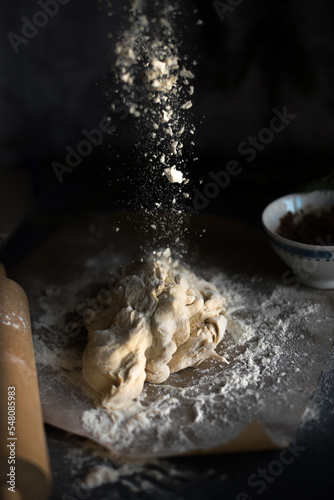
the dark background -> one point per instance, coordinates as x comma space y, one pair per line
262, 55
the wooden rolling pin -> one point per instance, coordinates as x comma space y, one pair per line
24, 463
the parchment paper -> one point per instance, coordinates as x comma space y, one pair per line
194, 411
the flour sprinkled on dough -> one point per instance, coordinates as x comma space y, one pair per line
160, 319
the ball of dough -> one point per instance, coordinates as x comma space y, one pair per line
161, 319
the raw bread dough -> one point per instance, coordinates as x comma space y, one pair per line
160, 319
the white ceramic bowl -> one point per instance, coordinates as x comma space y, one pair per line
312, 264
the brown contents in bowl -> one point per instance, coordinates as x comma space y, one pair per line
311, 228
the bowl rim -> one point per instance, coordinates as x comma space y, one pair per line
297, 244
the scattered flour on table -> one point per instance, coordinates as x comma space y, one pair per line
267, 345
92, 466
154, 475
257, 345
322, 398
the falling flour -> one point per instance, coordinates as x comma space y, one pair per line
154, 81
155, 84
